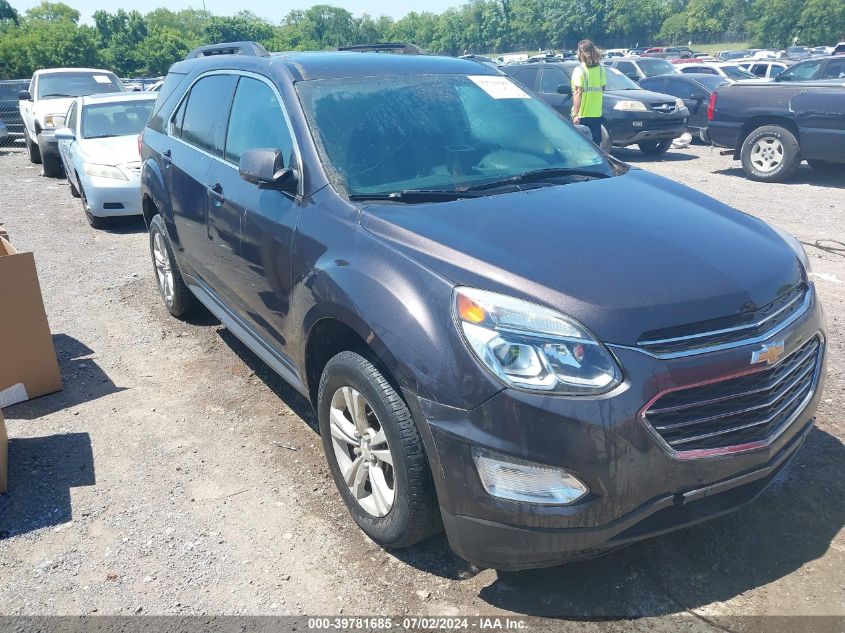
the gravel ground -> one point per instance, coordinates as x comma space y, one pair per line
175, 474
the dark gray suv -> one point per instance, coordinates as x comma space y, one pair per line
504, 331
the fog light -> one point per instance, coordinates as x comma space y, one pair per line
518, 480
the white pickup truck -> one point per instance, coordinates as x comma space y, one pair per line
43, 108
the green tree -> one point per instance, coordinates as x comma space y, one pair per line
160, 49
8, 13
822, 22
244, 25
53, 12
777, 23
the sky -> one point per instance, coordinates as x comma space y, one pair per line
268, 9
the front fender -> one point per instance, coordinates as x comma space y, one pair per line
402, 311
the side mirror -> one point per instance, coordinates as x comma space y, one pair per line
585, 132
64, 134
24, 95
564, 89
265, 168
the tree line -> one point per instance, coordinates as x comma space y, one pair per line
133, 44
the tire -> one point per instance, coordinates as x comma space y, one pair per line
95, 221
178, 299
412, 515
52, 165
73, 190
770, 154
655, 148
32, 149
826, 166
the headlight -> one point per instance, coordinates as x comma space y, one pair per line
54, 120
630, 106
679, 103
795, 245
531, 347
103, 171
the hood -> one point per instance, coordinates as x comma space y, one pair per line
115, 150
646, 96
43, 107
623, 255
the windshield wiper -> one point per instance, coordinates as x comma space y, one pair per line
537, 175
416, 195
57, 94
103, 136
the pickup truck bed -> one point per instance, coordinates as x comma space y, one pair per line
773, 126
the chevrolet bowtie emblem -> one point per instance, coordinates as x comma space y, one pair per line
769, 354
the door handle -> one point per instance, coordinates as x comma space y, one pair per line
216, 194
166, 156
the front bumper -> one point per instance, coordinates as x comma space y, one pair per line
628, 128
110, 197
637, 488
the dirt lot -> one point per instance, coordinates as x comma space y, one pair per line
176, 475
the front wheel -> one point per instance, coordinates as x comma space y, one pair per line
177, 298
52, 165
375, 453
770, 154
32, 149
655, 148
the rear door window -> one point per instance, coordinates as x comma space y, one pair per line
203, 108
256, 121
835, 69
801, 72
527, 77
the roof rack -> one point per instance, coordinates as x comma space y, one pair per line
229, 48
385, 47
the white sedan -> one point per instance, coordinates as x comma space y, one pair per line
99, 149
728, 70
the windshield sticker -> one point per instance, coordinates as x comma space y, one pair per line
102, 79
498, 87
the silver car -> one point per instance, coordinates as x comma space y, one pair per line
99, 149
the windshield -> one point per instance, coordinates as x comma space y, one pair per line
618, 81
101, 120
735, 72
383, 134
62, 85
733, 55
652, 67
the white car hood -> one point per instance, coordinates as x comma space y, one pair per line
114, 150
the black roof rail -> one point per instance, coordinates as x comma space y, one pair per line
229, 48
384, 47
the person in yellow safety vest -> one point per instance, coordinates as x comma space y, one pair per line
588, 84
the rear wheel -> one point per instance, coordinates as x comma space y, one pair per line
32, 149
375, 453
178, 299
655, 148
770, 153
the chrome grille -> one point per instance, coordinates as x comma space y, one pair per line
739, 410
731, 329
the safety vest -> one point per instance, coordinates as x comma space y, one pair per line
592, 82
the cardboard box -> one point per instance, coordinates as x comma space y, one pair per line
28, 365
4, 456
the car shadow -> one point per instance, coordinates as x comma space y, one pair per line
126, 225
791, 524
287, 394
634, 156
42, 470
804, 175
84, 380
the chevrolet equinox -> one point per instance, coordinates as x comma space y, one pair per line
505, 332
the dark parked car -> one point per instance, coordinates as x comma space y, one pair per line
694, 91
772, 127
9, 111
503, 330
632, 116
815, 69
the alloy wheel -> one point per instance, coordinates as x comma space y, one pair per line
362, 451
767, 154
164, 272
